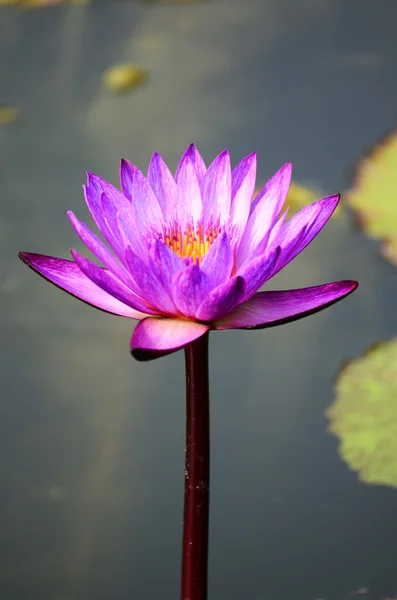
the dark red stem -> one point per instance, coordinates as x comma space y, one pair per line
197, 472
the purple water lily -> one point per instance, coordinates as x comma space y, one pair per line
189, 253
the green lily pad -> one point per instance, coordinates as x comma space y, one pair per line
364, 415
373, 196
299, 196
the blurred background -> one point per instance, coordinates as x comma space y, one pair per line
91, 442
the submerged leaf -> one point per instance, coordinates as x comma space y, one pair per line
373, 196
364, 415
124, 77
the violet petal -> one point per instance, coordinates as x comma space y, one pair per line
66, 275
222, 300
218, 262
303, 227
267, 309
110, 284
127, 170
257, 271
190, 287
99, 249
165, 264
265, 212
151, 288
155, 337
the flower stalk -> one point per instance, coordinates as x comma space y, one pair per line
197, 472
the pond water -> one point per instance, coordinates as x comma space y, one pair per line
91, 442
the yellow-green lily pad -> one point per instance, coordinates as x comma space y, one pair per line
8, 114
364, 415
373, 196
124, 77
299, 196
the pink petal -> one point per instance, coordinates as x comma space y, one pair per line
66, 275
222, 300
110, 284
147, 209
243, 185
195, 157
129, 233
216, 190
163, 185
303, 227
188, 204
267, 309
264, 212
155, 337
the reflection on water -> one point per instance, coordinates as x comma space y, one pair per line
92, 443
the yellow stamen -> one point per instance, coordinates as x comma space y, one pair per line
190, 243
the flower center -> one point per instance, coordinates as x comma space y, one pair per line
192, 244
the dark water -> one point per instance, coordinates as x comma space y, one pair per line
92, 443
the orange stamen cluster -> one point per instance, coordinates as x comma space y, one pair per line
192, 243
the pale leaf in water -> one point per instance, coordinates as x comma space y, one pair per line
373, 196
364, 415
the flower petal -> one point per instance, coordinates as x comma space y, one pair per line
266, 309
257, 271
66, 275
264, 212
93, 200
188, 204
99, 249
150, 287
216, 190
147, 209
163, 185
165, 264
303, 227
190, 286
110, 284
154, 337
130, 234
218, 262
126, 173
222, 300
243, 185
195, 157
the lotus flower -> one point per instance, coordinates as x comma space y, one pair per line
188, 254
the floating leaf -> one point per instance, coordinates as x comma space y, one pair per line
123, 77
8, 114
373, 196
299, 196
38, 3
364, 415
